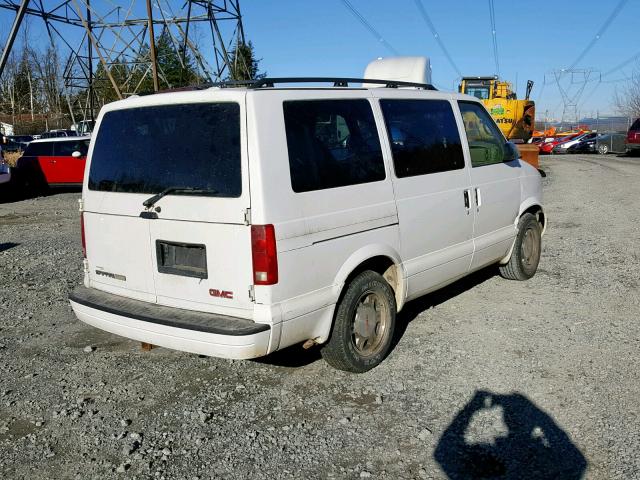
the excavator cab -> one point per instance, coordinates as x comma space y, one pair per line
479, 87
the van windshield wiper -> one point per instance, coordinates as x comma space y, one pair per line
149, 202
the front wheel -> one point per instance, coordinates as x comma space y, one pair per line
364, 323
523, 263
603, 149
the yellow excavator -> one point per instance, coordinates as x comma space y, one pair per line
516, 118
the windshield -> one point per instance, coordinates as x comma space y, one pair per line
479, 92
150, 149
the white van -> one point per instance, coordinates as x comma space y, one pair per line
239, 220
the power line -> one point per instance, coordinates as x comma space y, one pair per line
636, 56
590, 94
369, 27
600, 32
432, 27
492, 16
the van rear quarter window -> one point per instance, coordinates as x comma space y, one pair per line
423, 135
150, 149
332, 143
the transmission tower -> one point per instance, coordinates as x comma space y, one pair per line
571, 83
121, 32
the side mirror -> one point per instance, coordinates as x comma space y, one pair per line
511, 152
76, 154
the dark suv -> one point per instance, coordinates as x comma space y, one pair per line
633, 138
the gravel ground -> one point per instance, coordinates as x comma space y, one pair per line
489, 378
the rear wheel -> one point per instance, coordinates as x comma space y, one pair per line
526, 251
363, 326
603, 149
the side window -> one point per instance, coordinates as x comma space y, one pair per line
39, 149
423, 135
65, 149
486, 143
332, 143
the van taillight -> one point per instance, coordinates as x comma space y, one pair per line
84, 241
264, 255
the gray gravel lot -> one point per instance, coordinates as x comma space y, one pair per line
492, 378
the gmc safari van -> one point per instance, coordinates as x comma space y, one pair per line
237, 220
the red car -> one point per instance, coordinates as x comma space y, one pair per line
632, 144
547, 147
53, 162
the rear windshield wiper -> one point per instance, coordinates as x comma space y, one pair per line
149, 202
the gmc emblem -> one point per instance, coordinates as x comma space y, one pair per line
214, 292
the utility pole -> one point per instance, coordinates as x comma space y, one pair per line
152, 43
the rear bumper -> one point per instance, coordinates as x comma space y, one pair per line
632, 147
178, 329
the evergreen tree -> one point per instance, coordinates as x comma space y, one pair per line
244, 65
170, 63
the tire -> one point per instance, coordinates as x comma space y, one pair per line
363, 325
603, 149
523, 263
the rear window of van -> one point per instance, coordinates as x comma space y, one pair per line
150, 149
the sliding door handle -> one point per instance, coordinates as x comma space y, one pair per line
467, 203
478, 198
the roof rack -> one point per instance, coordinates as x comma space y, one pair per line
337, 82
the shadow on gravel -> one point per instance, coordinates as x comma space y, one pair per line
7, 246
534, 446
415, 307
296, 356
16, 190
293, 357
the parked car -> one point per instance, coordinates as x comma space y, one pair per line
604, 143
562, 147
547, 147
20, 138
611, 143
58, 134
11, 146
5, 170
289, 215
83, 127
53, 162
633, 138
